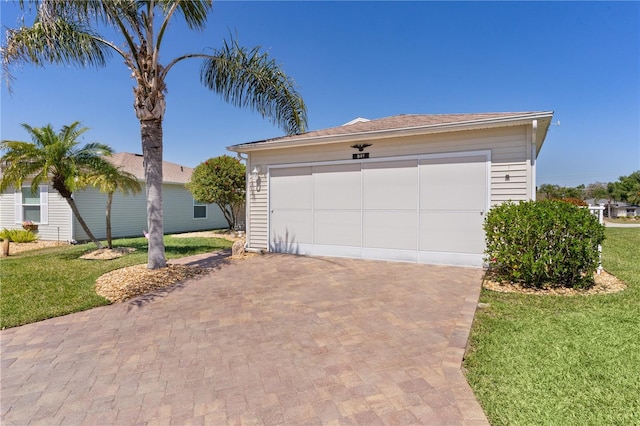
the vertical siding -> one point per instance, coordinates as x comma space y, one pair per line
59, 223
508, 148
129, 213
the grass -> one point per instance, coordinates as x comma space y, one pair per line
623, 220
553, 360
47, 283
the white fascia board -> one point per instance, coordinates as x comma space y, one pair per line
394, 133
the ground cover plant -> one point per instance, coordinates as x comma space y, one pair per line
51, 282
18, 235
562, 360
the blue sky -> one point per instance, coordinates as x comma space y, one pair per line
376, 59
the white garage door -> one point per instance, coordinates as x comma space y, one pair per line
427, 209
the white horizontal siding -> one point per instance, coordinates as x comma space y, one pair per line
59, 224
58, 227
178, 212
508, 148
129, 213
92, 205
7, 210
257, 199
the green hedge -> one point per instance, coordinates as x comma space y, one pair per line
548, 243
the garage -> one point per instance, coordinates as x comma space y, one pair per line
410, 188
425, 209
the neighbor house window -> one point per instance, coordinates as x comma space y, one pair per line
199, 210
32, 206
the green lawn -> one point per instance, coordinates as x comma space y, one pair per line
551, 360
47, 283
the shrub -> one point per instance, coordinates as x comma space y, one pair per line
575, 201
543, 243
17, 235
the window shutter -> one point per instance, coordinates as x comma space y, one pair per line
44, 204
17, 199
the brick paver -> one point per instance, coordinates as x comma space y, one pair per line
269, 340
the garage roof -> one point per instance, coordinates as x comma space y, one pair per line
404, 125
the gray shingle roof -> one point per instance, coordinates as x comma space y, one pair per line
399, 122
133, 163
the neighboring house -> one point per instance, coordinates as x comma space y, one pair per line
621, 209
616, 208
409, 187
128, 213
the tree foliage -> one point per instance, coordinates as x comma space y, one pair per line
66, 32
222, 181
548, 191
626, 189
597, 191
53, 158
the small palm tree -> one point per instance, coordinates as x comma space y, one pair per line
55, 158
109, 180
66, 32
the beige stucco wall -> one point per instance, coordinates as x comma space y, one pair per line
510, 155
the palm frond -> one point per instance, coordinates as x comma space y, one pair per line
248, 78
110, 179
58, 41
195, 12
20, 162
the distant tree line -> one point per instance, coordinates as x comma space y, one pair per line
626, 189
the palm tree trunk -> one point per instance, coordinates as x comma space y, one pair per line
85, 228
151, 132
108, 217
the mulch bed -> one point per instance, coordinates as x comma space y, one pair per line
605, 283
125, 283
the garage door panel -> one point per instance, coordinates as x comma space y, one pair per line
337, 187
291, 227
338, 227
449, 231
418, 210
291, 188
390, 229
392, 184
456, 184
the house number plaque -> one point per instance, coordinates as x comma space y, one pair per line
360, 155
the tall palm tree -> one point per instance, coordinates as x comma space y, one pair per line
65, 32
109, 180
55, 158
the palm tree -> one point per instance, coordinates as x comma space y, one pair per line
65, 32
53, 157
109, 180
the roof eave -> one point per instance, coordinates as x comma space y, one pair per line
398, 132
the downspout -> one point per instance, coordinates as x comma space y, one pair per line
534, 136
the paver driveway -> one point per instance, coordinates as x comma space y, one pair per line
269, 340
